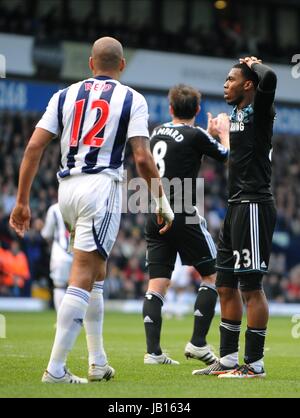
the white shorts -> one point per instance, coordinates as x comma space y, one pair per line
181, 276
91, 207
60, 265
60, 273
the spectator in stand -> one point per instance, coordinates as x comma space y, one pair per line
14, 268
36, 249
5, 276
114, 285
19, 269
273, 288
134, 273
223, 38
292, 290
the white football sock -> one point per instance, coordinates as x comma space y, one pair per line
231, 360
69, 323
93, 324
58, 295
258, 366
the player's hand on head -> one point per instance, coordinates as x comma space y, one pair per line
20, 219
250, 61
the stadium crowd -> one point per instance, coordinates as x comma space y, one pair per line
224, 38
24, 264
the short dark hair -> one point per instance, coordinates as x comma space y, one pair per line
184, 101
248, 74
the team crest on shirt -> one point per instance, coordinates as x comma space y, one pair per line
240, 116
238, 124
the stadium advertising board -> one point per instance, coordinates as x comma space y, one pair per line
159, 70
145, 69
17, 51
34, 97
76, 56
2, 66
26, 96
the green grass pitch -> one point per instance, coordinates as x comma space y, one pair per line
25, 352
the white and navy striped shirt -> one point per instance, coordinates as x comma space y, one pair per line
95, 117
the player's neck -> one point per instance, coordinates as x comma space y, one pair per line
243, 104
246, 102
111, 74
177, 121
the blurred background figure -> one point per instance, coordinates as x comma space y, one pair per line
292, 286
14, 270
56, 233
181, 292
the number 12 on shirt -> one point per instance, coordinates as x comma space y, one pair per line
90, 138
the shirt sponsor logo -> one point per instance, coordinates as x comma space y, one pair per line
237, 127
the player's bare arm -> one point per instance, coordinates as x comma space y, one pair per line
147, 169
211, 125
20, 216
223, 129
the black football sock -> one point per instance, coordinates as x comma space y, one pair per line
204, 312
152, 320
230, 334
255, 342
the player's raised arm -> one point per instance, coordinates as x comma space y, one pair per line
267, 81
20, 217
147, 169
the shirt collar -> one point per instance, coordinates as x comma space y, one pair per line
102, 77
246, 111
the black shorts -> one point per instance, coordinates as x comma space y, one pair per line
193, 243
246, 238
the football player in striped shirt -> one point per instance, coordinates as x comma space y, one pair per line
94, 119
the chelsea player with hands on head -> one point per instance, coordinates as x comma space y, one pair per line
246, 238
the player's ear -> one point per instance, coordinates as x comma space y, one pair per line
91, 64
198, 110
248, 85
171, 110
122, 65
